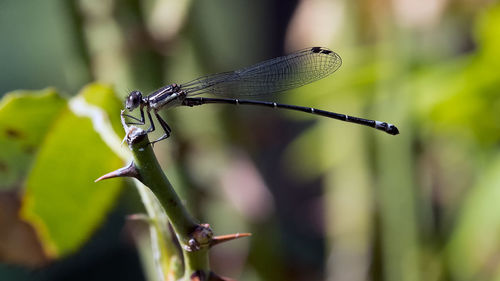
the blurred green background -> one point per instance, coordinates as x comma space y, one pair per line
324, 200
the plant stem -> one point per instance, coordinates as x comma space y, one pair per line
195, 261
195, 239
154, 178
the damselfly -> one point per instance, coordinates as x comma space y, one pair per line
264, 78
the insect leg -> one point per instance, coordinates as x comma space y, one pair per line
165, 127
152, 127
139, 121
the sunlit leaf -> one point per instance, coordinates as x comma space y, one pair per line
103, 97
70, 145
61, 197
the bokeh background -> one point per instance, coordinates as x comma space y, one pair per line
324, 200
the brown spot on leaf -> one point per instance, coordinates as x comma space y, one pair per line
13, 133
3, 167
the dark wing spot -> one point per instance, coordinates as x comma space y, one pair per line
13, 133
326, 52
316, 49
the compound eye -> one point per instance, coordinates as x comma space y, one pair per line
133, 100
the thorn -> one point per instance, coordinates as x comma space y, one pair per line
138, 224
129, 171
139, 217
225, 238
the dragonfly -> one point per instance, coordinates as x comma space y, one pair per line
262, 79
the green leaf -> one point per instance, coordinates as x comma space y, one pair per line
61, 197
72, 143
104, 97
25, 118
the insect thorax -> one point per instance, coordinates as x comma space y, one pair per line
166, 97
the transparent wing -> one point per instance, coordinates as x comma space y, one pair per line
271, 76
